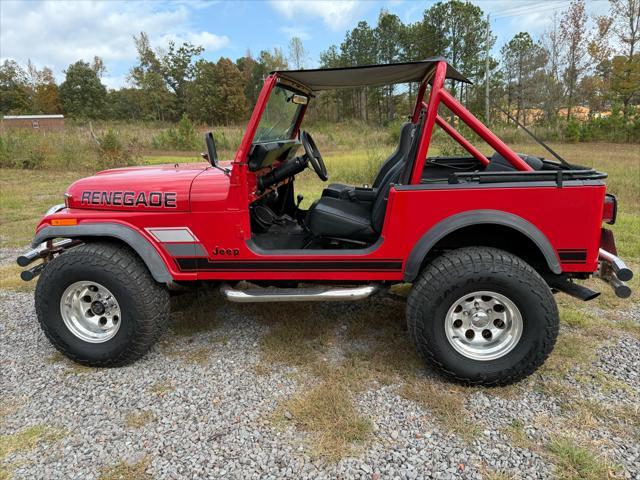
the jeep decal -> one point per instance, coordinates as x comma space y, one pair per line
129, 199
226, 251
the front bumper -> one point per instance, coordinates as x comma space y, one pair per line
44, 252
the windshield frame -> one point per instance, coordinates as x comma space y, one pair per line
294, 121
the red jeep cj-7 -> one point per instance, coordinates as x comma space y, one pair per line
485, 241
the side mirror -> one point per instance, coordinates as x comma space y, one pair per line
212, 154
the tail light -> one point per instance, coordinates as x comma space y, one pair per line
610, 210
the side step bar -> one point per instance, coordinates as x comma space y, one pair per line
311, 294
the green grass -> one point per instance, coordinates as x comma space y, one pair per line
139, 419
328, 414
162, 388
518, 436
10, 279
339, 358
295, 337
194, 312
572, 350
25, 195
126, 471
446, 402
576, 462
27, 439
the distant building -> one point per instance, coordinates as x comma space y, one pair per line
34, 122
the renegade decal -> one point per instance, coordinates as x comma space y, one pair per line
130, 199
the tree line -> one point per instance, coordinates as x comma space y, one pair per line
578, 62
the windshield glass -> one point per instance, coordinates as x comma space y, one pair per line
279, 117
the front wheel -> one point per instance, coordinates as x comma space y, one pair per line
482, 316
98, 305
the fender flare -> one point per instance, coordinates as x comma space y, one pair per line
145, 250
477, 217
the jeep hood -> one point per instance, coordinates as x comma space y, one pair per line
158, 188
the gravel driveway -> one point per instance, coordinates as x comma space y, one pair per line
206, 404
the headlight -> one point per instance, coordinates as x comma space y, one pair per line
55, 208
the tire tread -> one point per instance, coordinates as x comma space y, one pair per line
443, 274
121, 262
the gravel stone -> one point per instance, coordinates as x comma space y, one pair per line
212, 419
622, 361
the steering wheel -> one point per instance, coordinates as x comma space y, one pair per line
313, 154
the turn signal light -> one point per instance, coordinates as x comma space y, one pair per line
64, 222
610, 210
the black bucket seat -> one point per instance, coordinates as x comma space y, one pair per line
341, 218
361, 221
339, 190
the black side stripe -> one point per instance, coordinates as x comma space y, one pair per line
206, 265
572, 256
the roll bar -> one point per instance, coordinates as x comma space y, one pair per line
439, 95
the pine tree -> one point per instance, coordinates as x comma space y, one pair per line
14, 91
523, 61
82, 95
573, 35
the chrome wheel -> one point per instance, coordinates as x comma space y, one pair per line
483, 325
90, 312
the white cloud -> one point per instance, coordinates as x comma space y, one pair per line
58, 33
335, 14
114, 81
210, 41
296, 32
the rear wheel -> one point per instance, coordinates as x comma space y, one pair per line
99, 306
482, 316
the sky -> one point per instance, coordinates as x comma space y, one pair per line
58, 33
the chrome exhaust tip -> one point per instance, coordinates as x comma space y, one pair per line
613, 270
620, 288
618, 267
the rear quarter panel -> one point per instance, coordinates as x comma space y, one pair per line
568, 216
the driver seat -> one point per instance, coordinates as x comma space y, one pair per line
362, 221
343, 219
339, 190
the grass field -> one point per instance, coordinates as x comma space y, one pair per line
26, 194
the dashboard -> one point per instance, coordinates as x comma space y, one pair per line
267, 153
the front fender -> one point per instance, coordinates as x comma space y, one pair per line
145, 250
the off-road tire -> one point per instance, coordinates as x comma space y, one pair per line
143, 301
459, 272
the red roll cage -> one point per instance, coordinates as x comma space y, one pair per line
437, 72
